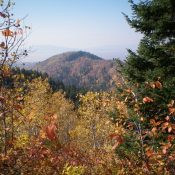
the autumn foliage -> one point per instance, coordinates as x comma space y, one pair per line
128, 131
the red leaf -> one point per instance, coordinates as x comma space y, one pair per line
170, 138
51, 132
18, 107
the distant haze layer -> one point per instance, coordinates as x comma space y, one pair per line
42, 52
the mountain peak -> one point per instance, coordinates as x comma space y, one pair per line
79, 54
74, 55
81, 69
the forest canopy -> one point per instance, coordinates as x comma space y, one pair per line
126, 131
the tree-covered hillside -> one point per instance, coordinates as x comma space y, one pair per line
81, 69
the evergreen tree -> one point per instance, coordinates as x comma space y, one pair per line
155, 57
150, 89
152, 67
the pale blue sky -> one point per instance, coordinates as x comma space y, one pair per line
81, 24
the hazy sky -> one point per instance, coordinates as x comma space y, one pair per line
81, 24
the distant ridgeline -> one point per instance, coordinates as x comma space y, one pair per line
80, 69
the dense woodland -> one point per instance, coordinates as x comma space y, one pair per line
71, 91
128, 131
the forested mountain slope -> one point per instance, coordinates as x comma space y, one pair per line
81, 69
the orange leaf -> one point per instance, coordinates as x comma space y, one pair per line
149, 152
118, 138
153, 122
154, 130
158, 123
147, 100
153, 85
165, 125
171, 110
129, 90
7, 32
158, 85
